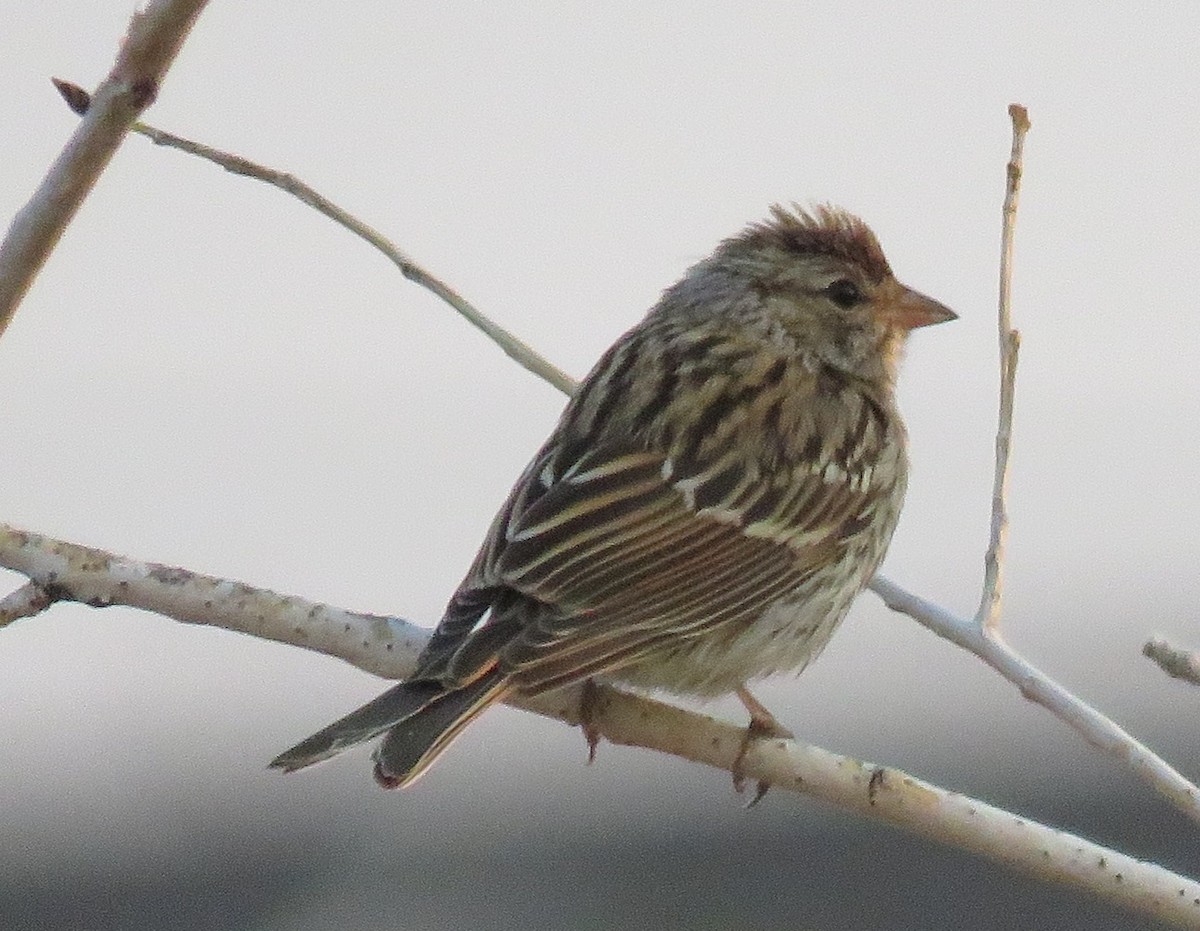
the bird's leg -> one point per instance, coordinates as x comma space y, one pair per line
589, 703
762, 726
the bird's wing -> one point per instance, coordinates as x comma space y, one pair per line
629, 554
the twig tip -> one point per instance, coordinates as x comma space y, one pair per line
1020, 117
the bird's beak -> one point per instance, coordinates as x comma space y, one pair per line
908, 309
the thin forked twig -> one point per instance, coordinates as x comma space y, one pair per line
1097, 729
982, 635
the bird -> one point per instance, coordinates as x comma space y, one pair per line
716, 493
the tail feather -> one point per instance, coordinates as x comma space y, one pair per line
371, 720
413, 743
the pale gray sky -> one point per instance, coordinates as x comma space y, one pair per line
209, 374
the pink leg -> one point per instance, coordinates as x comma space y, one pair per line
762, 726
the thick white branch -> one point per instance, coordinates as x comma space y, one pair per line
389, 647
900, 799
386, 646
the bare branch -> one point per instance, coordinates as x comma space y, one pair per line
513, 347
1101, 732
1174, 661
389, 647
991, 599
386, 646
154, 38
28, 600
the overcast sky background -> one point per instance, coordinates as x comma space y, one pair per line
209, 374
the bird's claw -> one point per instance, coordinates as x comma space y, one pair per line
762, 726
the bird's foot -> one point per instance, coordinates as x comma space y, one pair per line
762, 726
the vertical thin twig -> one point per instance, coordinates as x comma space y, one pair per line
990, 603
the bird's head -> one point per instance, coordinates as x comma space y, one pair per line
816, 282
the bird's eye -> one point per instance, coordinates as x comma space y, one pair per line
844, 293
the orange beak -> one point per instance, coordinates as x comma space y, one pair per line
907, 309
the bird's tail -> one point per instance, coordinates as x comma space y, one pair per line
421, 716
410, 747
